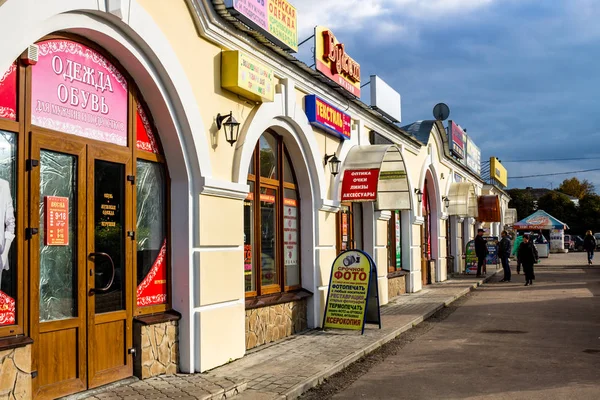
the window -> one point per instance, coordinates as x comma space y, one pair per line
394, 242
271, 221
8, 253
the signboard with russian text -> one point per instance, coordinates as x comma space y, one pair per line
470, 258
457, 139
352, 298
247, 77
473, 157
56, 223
492, 246
153, 289
498, 172
276, 19
360, 185
75, 90
327, 117
290, 236
332, 61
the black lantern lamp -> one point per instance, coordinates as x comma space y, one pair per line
334, 163
419, 195
446, 201
232, 127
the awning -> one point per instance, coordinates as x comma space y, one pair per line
376, 173
540, 220
488, 208
463, 200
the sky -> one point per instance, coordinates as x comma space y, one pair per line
520, 75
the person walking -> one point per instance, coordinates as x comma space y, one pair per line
481, 251
529, 256
589, 245
504, 252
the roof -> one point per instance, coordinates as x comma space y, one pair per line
540, 220
420, 130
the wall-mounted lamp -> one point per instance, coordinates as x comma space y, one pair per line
334, 163
419, 195
446, 201
232, 127
442, 176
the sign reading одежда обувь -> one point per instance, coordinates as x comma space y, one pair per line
360, 185
347, 299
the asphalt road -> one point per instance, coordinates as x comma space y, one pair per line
506, 342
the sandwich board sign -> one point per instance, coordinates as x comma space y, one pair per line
353, 297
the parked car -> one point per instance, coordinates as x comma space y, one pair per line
578, 240
569, 243
597, 237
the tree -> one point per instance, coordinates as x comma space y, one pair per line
523, 201
589, 214
574, 187
559, 206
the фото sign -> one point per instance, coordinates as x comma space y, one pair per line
276, 19
247, 77
332, 61
76, 90
327, 117
385, 99
498, 172
352, 298
457, 139
360, 185
56, 223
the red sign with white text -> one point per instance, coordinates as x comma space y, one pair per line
153, 289
75, 90
360, 185
8, 93
57, 221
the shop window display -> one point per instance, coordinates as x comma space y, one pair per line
8, 264
271, 221
394, 242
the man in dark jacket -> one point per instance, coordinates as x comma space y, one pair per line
481, 250
504, 253
529, 256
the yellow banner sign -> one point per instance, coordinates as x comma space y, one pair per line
247, 77
332, 61
498, 172
348, 290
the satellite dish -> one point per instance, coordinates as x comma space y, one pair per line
441, 112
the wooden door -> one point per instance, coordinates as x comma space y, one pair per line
58, 265
109, 245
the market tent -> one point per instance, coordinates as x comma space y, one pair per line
540, 220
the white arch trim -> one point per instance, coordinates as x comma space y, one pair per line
146, 54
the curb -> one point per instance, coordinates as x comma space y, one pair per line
319, 377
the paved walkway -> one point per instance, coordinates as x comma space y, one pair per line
286, 369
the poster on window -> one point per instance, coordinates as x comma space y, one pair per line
8, 93
7, 309
290, 232
56, 224
398, 242
75, 90
153, 289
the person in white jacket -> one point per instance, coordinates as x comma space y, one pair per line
7, 234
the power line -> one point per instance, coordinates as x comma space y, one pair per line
552, 159
554, 174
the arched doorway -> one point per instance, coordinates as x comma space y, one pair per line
89, 186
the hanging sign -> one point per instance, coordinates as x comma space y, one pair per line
325, 116
360, 185
332, 61
276, 19
247, 77
76, 90
153, 289
352, 299
56, 223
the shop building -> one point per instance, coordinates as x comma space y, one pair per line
172, 196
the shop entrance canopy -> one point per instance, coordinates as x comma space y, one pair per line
540, 220
488, 208
376, 173
463, 200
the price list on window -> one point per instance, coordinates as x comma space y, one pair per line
57, 221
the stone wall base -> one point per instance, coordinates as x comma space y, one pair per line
156, 348
271, 323
396, 286
15, 373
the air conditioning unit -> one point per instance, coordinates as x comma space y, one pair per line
31, 57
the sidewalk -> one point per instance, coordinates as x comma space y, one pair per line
286, 369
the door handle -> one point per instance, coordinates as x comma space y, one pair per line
93, 291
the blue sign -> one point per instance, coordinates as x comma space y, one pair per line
325, 116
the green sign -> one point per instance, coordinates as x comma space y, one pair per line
383, 175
